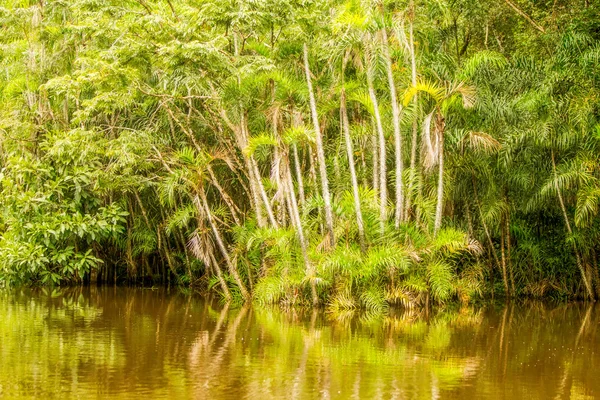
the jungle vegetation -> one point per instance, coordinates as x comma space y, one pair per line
353, 154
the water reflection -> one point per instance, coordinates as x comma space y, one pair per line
128, 343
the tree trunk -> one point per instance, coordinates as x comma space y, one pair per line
440, 189
275, 168
297, 222
298, 170
255, 172
382, 155
413, 148
375, 160
586, 282
182, 246
296, 121
508, 256
233, 209
485, 228
263, 194
362, 145
595, 275
242, 137
221, 245
160, 241
354, 179
503, 259
219, 273
399, 215
254, 196
320, 151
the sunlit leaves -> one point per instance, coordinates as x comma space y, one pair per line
484, 59
432, 89
440, 278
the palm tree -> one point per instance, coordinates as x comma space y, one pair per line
320, 152
434, 127
346, 47
287, 186
414, 136
396, 111
370, 59
197, 169
353, 177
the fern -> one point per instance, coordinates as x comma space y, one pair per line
374, 300
441, 280
270, 290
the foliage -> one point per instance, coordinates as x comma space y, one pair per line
248, 148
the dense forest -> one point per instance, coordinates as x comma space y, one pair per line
353, 154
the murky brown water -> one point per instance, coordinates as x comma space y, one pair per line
127, 343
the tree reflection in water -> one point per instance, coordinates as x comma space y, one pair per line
127, 343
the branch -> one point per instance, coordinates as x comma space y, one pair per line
143, 3
173, 10
189, 133
527, 17
162, 95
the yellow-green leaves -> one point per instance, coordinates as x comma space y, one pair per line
432, 89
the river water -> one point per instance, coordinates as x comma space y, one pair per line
138, 343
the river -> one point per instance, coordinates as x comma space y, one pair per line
140, 343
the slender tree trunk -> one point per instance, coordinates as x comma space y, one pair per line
94, 276
413, 148
161, 245
131, 266
221, 245
399, 215
382, 155
312, 169
440, 189
254, 196
469, 219
183, 249
279, 198
298, 170
165, 246
233, 209
219, 273
255, 172
508, 256
354, 179
276, 165
260, 218
503, 258
297, 222
263, 194
586, 282
320, 150
296, 121
242, 137
375, 160
485, 227
595, 275
527, 17
363, 163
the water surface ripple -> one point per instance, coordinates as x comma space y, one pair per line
138, 343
